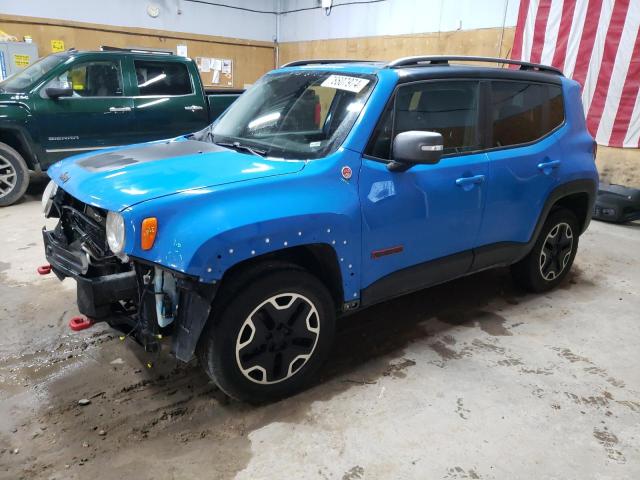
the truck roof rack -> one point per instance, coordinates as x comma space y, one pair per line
443, 60
327, 61
106, 48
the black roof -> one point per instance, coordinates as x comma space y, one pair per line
471, 72
440, 66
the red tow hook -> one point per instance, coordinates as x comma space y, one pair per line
44, 269
80, 323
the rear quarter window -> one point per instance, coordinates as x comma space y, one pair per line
524, 112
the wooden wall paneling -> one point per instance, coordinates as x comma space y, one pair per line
462, 42
251, 59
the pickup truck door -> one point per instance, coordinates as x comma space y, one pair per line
97, 115
420, 226
169, 100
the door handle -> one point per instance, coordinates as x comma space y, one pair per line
193, 108
467, 183
119, 109
548, 167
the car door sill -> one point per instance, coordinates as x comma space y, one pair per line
417, 277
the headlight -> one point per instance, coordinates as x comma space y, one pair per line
47, 197
115, 232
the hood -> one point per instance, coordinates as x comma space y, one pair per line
122, 177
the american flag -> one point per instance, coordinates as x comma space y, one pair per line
597, 43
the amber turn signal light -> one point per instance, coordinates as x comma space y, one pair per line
148, 232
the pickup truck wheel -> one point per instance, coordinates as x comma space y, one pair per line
552, 255
14, 175
271, 338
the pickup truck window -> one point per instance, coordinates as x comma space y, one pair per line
92, 79
27, 77
162, 78
302, 114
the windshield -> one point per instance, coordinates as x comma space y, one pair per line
302, 114
21, 80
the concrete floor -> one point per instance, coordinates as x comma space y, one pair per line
472, 379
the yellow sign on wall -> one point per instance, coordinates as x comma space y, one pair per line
21, 60
57, 46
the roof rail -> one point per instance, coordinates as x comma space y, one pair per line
106, 48
298, 63
445, 59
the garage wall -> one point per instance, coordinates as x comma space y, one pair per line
396, 28
487, 41
174, 15
251, 59
300, 21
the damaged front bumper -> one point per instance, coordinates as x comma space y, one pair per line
141, 299
96, 295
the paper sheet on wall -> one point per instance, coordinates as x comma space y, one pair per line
221, 70
57, 46
182, 51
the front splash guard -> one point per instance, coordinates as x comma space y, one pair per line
194, 307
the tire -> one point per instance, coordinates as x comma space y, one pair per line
14, 176
271, 337
552, 255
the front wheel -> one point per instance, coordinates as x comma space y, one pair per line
14, 175
271, 338
552, 255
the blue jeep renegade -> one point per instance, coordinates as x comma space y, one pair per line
327, 187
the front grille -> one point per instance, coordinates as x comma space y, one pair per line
81, 226
81, 231
86, 228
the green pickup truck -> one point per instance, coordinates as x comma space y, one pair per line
77, 101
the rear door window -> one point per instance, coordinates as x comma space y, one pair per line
162, 78
524, 112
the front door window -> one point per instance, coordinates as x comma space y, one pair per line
92, 79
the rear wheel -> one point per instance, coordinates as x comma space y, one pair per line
552, 255
271, 337
14, 175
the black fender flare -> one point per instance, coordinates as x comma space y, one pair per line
587, 186
507, 253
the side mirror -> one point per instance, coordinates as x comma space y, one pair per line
415, 147
56, 93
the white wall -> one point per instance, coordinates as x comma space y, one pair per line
194, 17
392, 17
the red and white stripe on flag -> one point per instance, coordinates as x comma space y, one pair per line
597, 43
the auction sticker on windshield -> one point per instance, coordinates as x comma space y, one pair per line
344, 82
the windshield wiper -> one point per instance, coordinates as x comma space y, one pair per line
238, 146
